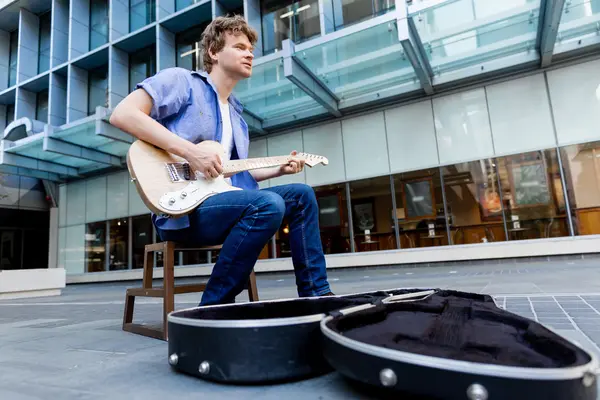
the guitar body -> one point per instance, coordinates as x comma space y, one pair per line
168, 187
164, 183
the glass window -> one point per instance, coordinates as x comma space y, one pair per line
98, 88
347, 12
420, 209
10, 113
41, 107
333, 218
532, 195
141, 13
118, 245
44, 44
142, 64
35, 248
473, 202
581, 164
95, 247
189, 49
298, 21
98, 23
142, 235
13, 57
10, 249
372, 218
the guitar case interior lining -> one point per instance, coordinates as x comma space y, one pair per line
258, 342
454, 345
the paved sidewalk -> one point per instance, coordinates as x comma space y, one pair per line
72, 346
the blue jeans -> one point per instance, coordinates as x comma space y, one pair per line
243, 221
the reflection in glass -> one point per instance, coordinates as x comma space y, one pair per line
420, 209
141, 13
10, 249
142, 64
141, 236
118, 245
372, 218
189, 48
473, 202
348, 12
41, 107
98, 23
581, 165
95, 247
532, 195
12, 58
44, 43
98, 88
333, 218
297, 21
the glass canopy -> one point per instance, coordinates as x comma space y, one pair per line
269, 94
460, 33
362, 62
579, 19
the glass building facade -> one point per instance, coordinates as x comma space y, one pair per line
447, 124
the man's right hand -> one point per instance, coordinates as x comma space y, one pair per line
205, 160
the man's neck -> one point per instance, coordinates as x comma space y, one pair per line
223, 83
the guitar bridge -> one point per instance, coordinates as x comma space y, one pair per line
180, 172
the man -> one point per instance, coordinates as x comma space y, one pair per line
176, 109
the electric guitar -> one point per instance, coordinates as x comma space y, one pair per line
168, 187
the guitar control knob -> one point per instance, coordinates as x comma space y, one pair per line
171, 201
183, 195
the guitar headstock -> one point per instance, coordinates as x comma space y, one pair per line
311, 159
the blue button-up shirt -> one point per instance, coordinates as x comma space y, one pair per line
186, 103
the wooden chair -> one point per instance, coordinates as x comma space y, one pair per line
168, 290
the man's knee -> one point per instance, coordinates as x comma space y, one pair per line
270, 205
305, 193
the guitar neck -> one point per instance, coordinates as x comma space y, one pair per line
235, 166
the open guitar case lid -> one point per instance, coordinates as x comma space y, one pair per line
424, 343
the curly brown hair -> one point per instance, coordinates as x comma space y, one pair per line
213, 37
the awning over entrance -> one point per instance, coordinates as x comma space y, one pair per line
85, 147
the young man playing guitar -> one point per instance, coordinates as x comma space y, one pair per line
176, 109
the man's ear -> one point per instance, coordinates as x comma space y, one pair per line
213, 55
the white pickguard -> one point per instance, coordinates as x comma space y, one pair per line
194, 193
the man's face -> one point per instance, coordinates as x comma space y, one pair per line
236, 57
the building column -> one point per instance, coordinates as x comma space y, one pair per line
53, 245
4, 59
118, 76
79, 28
252, 15
77, 93
326, 16
57, 96
119, 18
166, 48
29, 27
59, 47
25, 103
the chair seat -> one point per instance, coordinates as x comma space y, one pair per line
168, 290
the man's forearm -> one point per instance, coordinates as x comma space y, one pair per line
266, 173
140, 125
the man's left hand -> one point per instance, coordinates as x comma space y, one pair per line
294, 166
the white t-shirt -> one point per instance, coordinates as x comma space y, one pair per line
227, 138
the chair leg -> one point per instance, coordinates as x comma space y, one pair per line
252, 289
168, 283
148, 266
128, 312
